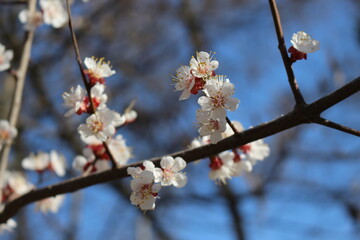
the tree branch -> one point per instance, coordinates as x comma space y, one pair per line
12, 2
86, 82
330, 124
299, 99
294, 118
19, 87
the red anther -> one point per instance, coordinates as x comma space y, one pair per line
142, 167
215, 163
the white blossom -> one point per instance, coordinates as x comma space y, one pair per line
84, 164
54, 13
51, 204
145, 191
13, 185
78, 101
304, 43
98, 96
98, 68
221, 167
218, 99
30, 21
199, 142
130, 116
57, 163
240, 167
36, 162
74, 100
147, 165
5, 57
210, 126
99, 124
8, 226
119, 150
7, 132
203, 66
171, 171
184, 81
229, 131
256, 151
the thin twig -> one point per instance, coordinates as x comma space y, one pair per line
299, 99
232, 204
86, 82
19, 87
330, 124
12, 2
13, 73
232, 125
287, 121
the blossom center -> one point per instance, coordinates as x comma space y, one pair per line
97, 126
218, 100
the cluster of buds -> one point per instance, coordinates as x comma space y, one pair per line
52, 13
101, 125
218, 91
149, 179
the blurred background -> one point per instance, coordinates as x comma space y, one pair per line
309, 187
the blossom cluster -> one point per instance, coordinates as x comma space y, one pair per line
100, 126
52, 13
214, 124
14, 184
217, 89
41, 162
234, 162
149, 179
